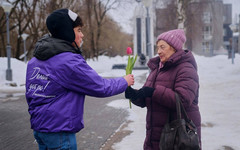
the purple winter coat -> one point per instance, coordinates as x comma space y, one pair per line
56, 89
179, 74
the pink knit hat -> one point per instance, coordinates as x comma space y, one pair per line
176, 38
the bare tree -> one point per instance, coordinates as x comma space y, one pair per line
178, 9
2, 33
90, 6
97, 14
182, 6
3, 29
37, 23
100, 11
22, 16
29, 16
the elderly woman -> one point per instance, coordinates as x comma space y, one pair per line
174, 70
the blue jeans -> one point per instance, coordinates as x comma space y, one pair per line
56, 141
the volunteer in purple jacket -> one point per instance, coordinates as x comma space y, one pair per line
174, 70
58, 78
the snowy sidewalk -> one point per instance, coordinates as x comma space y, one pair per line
219, 100
219, 103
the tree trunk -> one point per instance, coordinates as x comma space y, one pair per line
4, 51
180, 14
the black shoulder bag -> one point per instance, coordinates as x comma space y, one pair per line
179, 134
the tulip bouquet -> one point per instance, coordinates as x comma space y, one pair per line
130, 65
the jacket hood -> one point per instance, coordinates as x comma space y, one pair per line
177, 58
48, 47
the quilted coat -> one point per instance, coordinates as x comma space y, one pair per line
179, 74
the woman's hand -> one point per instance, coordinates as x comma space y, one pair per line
142, 93
130, 79
137, 97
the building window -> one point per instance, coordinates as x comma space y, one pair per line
207, 33
207, 17
207, 46
224, 32
224, 18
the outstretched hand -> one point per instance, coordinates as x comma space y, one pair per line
137, 97
144, 92
130, 79
148, 91
130, 93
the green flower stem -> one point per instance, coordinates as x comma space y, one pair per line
129, 68
130, 104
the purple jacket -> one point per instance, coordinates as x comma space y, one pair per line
56, 89
179, 74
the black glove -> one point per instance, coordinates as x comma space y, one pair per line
133, 94
137, 97
130, 93
147, 91
144, 92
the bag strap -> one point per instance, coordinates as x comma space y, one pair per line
180, 108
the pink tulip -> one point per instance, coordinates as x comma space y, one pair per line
129, 50
130, 65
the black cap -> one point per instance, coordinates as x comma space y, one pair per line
61, 22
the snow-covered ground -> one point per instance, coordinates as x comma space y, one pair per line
219, 99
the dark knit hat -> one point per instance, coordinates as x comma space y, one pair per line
61, 22
176, 38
